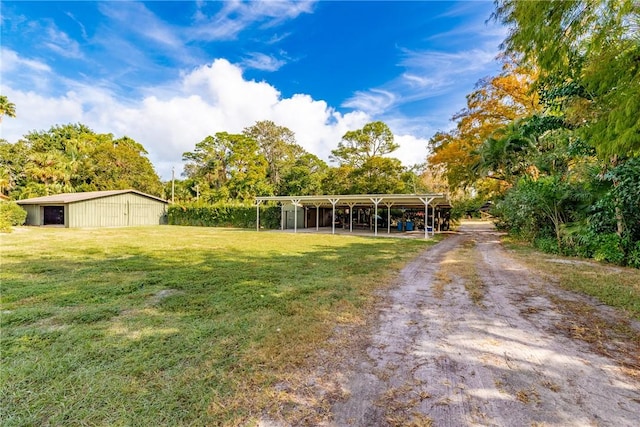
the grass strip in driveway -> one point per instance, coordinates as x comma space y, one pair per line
172, 325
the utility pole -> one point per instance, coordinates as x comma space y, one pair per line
173, 185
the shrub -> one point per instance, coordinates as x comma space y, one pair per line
609, 249
547, 244
633, 257
11, 215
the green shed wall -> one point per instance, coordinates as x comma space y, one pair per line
121, 210
33, 214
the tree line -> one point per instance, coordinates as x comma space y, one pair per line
554, 139
264, 159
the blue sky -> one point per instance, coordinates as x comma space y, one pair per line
170, 73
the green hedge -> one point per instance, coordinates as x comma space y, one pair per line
224, 216
11, 215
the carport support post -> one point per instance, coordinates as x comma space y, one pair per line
258, 202
375, 218
333, 221
296, 205
317, 215
282, 216
388, 205
433, 221
351, 205
426, 201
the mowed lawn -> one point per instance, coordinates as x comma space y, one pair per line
172, 325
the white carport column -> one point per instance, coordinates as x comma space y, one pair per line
281, 216
258, 202
433, 220
351, 205
375, 201
317, 205
333, 220
426, 201
388, 205
296, 204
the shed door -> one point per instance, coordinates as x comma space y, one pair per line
53, 215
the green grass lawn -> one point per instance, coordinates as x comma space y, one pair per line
172, 325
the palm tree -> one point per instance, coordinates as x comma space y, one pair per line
7, 108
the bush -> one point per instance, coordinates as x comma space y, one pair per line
609, 249
240, 216
633, 257
11, 215
547, 244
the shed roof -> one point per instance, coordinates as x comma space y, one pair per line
64, 198
404, 200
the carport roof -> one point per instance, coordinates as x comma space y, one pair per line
64, 198
399, 200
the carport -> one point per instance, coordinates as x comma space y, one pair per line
431, 203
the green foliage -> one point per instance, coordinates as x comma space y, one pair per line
633, 258
278, 146
228, 166
73, 158
467, 207
375, 139
11, 215
588, 50
303, 177
7, 108
608, 248
224, 215
547, 244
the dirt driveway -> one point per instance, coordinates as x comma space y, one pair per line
471, 337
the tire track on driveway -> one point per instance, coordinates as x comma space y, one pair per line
435, 357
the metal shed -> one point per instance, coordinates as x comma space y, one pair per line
114, 208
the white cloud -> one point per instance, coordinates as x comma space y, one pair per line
236, 15
412, 151
260, 61
60, 42
137, 18
11, 62
374, 101
209, 99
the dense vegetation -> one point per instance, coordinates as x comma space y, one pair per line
223, 168
554, 140
73, 158
266, 160
224, 215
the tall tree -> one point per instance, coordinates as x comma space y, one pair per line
495, 103
13, 158
228, 166
207, 164
357, 146
589, 49
247, 169
304, 177
278, 146
73, 158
